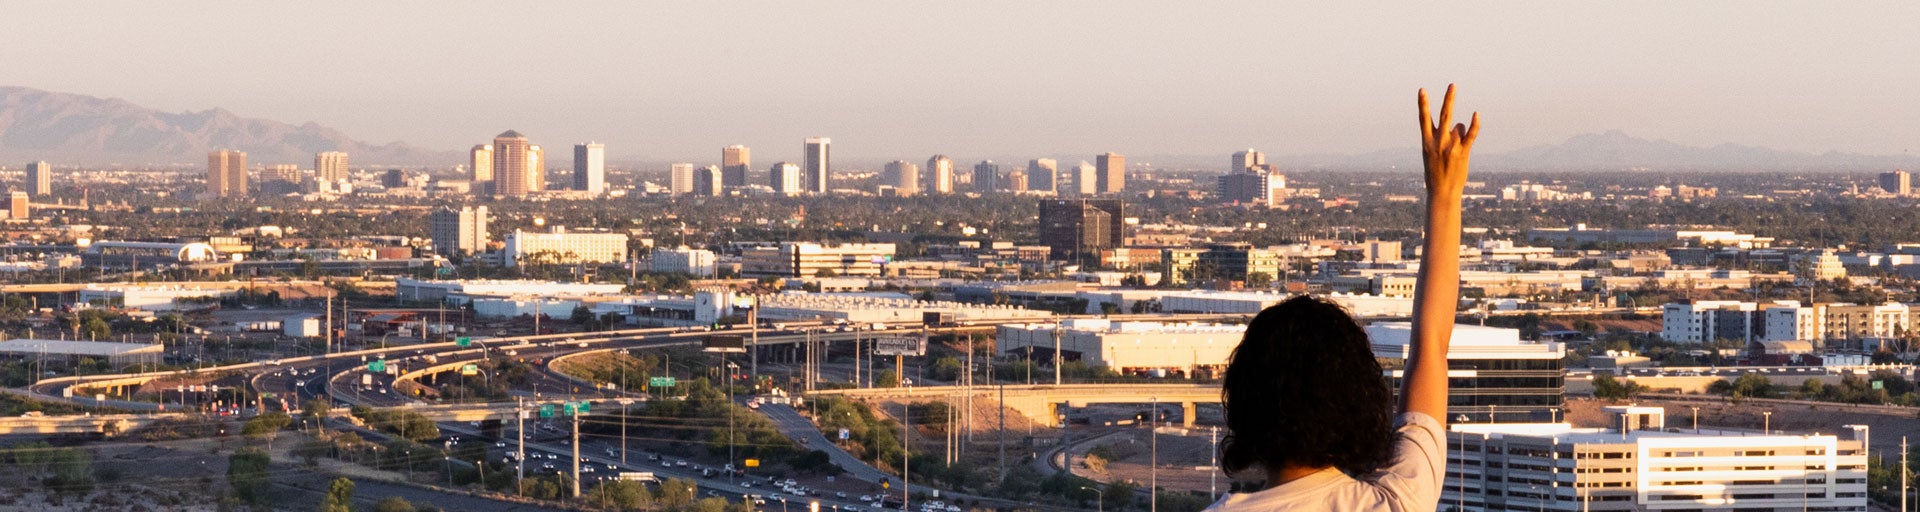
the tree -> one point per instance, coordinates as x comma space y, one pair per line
886, 379
317, 410
1606, 387
247, 475
1259, 280
620, 495
676, 493
394, 504
1119, 495
339, 497
266, 425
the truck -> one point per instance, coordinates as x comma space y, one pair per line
937, 319
638, 476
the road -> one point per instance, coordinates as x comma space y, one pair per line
799, 428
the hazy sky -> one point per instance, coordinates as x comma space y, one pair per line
972, 79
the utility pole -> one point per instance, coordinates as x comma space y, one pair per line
1213, 477
1057, 359
906, 456
1153, 462
520, 431
1003, 432
753, 347
1904, 471
576, 450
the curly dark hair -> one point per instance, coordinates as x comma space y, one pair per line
1303, 389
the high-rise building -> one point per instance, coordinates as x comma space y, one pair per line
734, 162
806, 259
818, 164
1113, 173
1016, 181
459, 232
227, 173
393, 178
680, 179
288, 173
1249, 159
481, 160
512, 164
40, 178
1077, 229
1086, 179
1505, 379
536, 168
1898, 182
590, 168
1043, 175
904, 176
18, 206
707, 181
1256, 186
986, 177
784, 177
940, 174
330, 166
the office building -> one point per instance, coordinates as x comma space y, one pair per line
18, 207
940, 175
1259, 186
806, 259
735, 160
904, 176
699, 263
1086, 179
1238, 261
330, 166
1015, 181
784, 177
986, 177
559, 247
227, 173
287, 173
1494, 376
1247, 161
512, 164
480, 161
1112, 175
40, 178
1078, 229
590, 168
1043, 176
1898, 182
817, 165
459, 232
1640, 462
393, 178
707, 181
1130, 348
536, 169
680, 179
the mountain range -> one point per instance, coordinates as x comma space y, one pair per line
76, 129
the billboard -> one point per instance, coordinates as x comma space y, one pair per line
900, 346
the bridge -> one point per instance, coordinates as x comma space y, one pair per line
1041, 403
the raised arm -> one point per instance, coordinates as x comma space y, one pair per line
1436, 295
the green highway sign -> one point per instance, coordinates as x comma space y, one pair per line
585, 407
470, 369
660, 382
546, 410
463, 341
377, 365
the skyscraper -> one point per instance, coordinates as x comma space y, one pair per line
680, 180
986, 177
459, 232
734, 162
784, 177
512, 167
1016, 181
940, 174
904, 176
481, 161
330, 166
818, 164
707, 182
1113, 173
227, 173
590, 167
18, 205
1898, 182
1248, 159
536, 168
1043, 175
282, 172
1086, 179
40, 178
1077, 229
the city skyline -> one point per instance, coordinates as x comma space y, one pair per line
1568, 70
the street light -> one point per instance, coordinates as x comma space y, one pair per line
1767, 424
1100, 497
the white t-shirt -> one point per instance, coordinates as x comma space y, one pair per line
1410, 483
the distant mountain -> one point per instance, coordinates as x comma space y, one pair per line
1617, 151
76, 129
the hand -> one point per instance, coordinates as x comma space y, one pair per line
1446, 150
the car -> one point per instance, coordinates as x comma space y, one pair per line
653, 456
612, 453
680, 463
790, 482
666, 464
501, 444
865, 498
586, 469
840, 495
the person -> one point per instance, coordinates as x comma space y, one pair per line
1305, 399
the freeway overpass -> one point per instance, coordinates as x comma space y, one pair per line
1041, 403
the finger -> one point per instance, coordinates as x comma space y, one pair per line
1473, 132
1446, 110
1426, 120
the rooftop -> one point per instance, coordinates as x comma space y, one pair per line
75, 348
